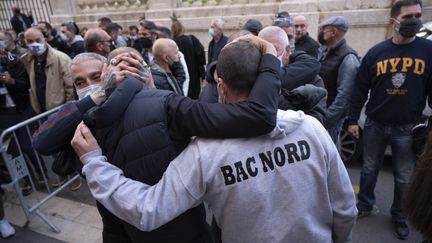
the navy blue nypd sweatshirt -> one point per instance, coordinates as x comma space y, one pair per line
399, 78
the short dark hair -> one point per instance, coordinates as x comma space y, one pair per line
231, 67
112, 27
47, 25
164, 31
133, 27
72, 27
396, 8
104, 20
147, 24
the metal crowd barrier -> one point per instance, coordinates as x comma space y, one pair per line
18, 169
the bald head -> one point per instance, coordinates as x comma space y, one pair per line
276, 36
165, 51
300, 25
98, 41
34, 35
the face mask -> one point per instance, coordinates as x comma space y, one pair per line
410, 27
37, 48
211, 32
63, 37
3, 44
91, 89
321, 38
143, 43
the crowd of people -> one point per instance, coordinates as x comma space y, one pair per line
252, 129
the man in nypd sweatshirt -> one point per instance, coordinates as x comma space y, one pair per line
396, 76
289, 185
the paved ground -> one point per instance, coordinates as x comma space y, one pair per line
75, 214
26, 235
379, 228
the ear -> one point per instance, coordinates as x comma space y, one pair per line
222, 86
99, 46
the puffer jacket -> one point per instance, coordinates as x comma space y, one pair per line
163, 81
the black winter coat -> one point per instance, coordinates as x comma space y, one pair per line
142, 131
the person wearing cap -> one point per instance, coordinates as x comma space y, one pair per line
303, 42
397, 75
253, 25
339, 65
284, 20
219, 40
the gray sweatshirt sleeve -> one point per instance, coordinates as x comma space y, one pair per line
144, 207
342, 199
345, 83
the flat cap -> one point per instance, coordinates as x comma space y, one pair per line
339, 22
253, 25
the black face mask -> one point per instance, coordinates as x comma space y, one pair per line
321, 38
409, 27
17, 12
142, 43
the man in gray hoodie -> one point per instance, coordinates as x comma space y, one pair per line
288, 185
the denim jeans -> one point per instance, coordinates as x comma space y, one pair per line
334, 132
376, 137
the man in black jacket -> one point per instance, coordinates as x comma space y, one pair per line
339, 65
162, 122
303, 42
75, 44
299, 68
15, 107
166, 54
20, 22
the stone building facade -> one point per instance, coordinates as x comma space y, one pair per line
369, 19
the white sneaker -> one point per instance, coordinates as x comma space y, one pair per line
6, 229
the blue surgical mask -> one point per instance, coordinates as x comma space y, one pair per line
3, 44
37, 49
211, 32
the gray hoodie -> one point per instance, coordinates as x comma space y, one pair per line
287, 186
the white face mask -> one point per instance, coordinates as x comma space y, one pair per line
37, 48
91, 89
281, 58
211, 32
3, 44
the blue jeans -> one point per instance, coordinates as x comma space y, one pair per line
334, 132
376, 137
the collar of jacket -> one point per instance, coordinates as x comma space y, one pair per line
303, 38
157, 68
77, 38
324, 51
